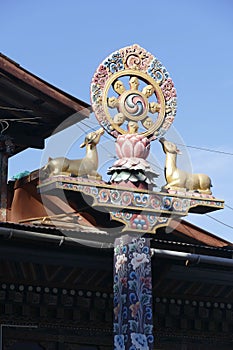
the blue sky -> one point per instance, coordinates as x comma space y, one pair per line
63, 42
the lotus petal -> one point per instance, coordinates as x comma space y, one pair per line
139, 150
133, 178
141, 177
120, 140
124, 175
118, 150
114, 176
138, 167
133, 161
120, 162
134, 139
127, 149
144, 163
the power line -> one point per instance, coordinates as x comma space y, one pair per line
206, 149
228, 206
220, 222
92, 128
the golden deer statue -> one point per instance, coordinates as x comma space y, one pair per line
86, 166
178, 179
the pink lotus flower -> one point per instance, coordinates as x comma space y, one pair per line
132, 146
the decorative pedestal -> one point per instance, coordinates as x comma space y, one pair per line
139, 210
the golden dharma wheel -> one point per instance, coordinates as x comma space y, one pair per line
132, 92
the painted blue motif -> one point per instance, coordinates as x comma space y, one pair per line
133, 324
114, 62
157, 71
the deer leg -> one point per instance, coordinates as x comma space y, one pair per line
174, 183
94, 175
207, 191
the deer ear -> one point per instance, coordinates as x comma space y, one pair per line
93, 136
82, 145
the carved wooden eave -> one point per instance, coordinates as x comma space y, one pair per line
33, 108
139, 211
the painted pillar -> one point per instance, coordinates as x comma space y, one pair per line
133, 321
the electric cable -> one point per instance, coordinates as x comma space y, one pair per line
228, 206
102, 146
220, 222
206, 149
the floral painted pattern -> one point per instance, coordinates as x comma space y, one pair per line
157, 71
114, 63
133, 321
119, 342
122, 198
168, 89
139, 223
135, 57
